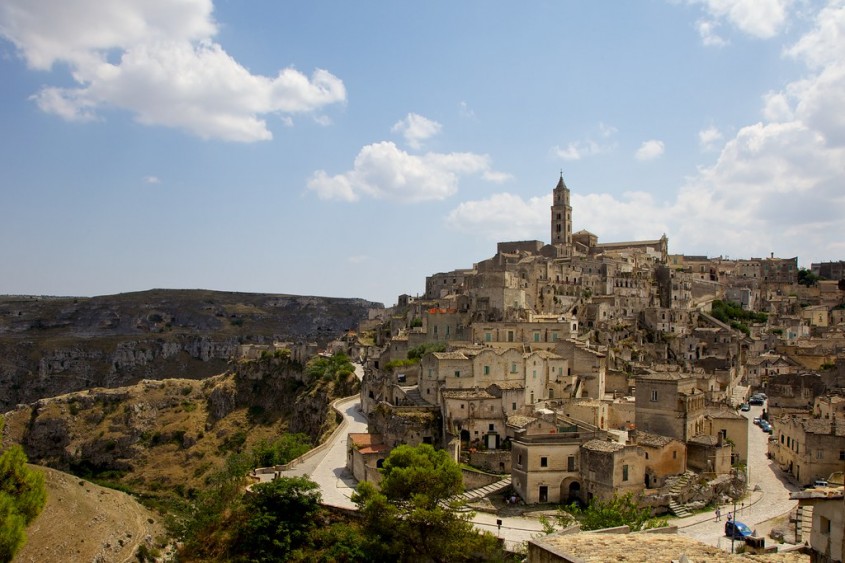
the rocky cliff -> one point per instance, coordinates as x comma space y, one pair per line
55, 345
169, 434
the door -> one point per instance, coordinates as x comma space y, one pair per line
544, 493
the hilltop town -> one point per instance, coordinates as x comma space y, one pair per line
581, 369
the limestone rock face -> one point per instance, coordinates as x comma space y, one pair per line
56, 345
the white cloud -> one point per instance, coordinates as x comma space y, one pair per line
758, 18
709, 138
776, 186
707, 31
466, 111
650, 150
503, 216
383, 171
357, 259
156, 59
152, 180
323, 120
576, 150
416, 128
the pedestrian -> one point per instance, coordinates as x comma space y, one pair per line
730, 516
718, 514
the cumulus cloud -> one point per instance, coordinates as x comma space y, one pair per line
650, 150
758, 18
503, 216
383, 171
707, 31
576, 150
709, 138
776, 185
416, 129
156, 59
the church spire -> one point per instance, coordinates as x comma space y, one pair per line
561, 214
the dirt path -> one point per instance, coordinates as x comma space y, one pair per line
85, 522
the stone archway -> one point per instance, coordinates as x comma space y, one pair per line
570, 491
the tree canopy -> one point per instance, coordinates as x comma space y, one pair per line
22, 496
621, 510
407, 519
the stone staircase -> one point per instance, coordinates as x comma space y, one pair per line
678, 510
479, 493
682, 483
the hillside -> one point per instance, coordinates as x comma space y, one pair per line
168, 436
85, 522
55, 345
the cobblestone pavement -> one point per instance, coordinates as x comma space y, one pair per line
768, 497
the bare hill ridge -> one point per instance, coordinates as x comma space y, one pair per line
55, 345
85, 522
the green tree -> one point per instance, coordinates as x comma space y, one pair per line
618, 511
280, 451
279, 516
22, 496
336, 367
406, 520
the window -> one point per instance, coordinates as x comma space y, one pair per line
457, 373
675, 454
824, 525
486, 370
462, 405
510, 336
819, 453
513, 406
570, 463
488, 337
491, 427
544, 462
519, 459
624, 472
513, 367
654, 395
841, 455
536, 337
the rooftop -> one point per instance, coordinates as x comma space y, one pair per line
603, 446
655, 547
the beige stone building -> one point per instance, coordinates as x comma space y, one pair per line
611, 468
664, 457
827, 535
731, 426
669, 404
808, 448
546, 461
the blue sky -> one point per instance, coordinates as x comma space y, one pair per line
350, 149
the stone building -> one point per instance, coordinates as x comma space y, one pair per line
611, 468
546, 459
664, 457
669, 404
827, 535
806, 448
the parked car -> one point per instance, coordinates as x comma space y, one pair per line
737, 530
820, 483
756, 401
744, 407
764, 426
757, 420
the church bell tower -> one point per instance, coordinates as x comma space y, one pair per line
561, 215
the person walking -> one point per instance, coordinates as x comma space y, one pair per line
718, 514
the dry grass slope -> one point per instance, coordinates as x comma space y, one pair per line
86, 522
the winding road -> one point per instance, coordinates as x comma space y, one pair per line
768, 497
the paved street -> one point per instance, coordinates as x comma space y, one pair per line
770, 501
328, 469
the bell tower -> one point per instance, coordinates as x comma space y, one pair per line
561, 215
